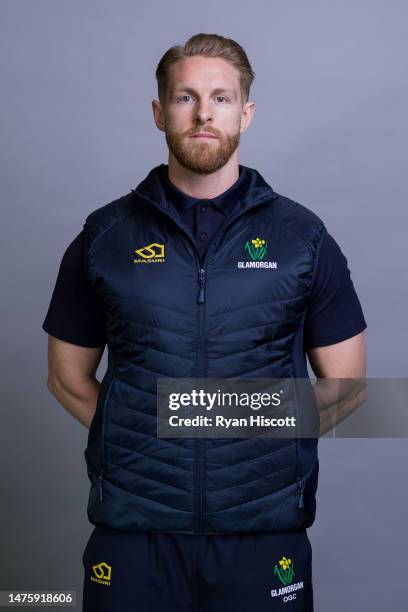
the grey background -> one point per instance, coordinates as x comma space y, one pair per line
77, 81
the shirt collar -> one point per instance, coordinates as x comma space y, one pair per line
223, 202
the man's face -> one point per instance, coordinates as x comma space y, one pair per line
203, 96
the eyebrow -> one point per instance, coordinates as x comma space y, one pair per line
218, 90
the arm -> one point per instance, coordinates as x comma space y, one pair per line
71, 377
337, 398
334, 336
345, 359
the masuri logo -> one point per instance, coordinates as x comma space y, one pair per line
152, 253
103, 573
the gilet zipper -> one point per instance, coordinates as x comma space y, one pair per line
201, 371
201, 299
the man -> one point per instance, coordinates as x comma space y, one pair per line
201, 271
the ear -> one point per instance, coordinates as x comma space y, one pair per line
247, 115
158, 114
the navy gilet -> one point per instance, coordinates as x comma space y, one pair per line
169, 314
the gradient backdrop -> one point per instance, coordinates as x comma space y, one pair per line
77, 80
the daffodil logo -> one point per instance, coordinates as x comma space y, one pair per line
256, 248
285, 570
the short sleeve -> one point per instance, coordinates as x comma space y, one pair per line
334, 311
75, 313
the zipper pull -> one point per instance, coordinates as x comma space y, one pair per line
301, 485
201, 293
100, 478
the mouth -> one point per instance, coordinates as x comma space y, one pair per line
203, 135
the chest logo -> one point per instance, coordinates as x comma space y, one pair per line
257, 248
152, 253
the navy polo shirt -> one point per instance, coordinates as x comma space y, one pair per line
204, 216
333, 314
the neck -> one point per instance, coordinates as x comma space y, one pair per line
203, 185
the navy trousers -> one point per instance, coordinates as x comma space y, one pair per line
162, 572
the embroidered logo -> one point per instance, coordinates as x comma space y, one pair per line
257, 248
152, 253
103, 573
285, 571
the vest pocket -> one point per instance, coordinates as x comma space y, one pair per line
97, 423
103, 401
306, 489
90, 468
305, 402
96, 436
94, 475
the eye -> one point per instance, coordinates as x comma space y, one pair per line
223, 97
182, 98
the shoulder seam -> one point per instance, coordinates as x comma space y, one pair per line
269, 212
316, 259
107, 229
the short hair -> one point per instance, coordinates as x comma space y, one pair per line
208, 45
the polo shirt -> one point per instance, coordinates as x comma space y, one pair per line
204, 216
75, 313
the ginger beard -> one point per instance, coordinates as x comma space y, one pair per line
202, 155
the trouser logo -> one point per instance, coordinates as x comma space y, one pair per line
285, 572
103, 573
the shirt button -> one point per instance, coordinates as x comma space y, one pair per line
203, 209
203, 236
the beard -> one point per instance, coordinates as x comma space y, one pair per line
202, 156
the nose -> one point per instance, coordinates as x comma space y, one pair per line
203, 111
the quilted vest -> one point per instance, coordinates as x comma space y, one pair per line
180, 317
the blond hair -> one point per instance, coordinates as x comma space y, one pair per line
208, 45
